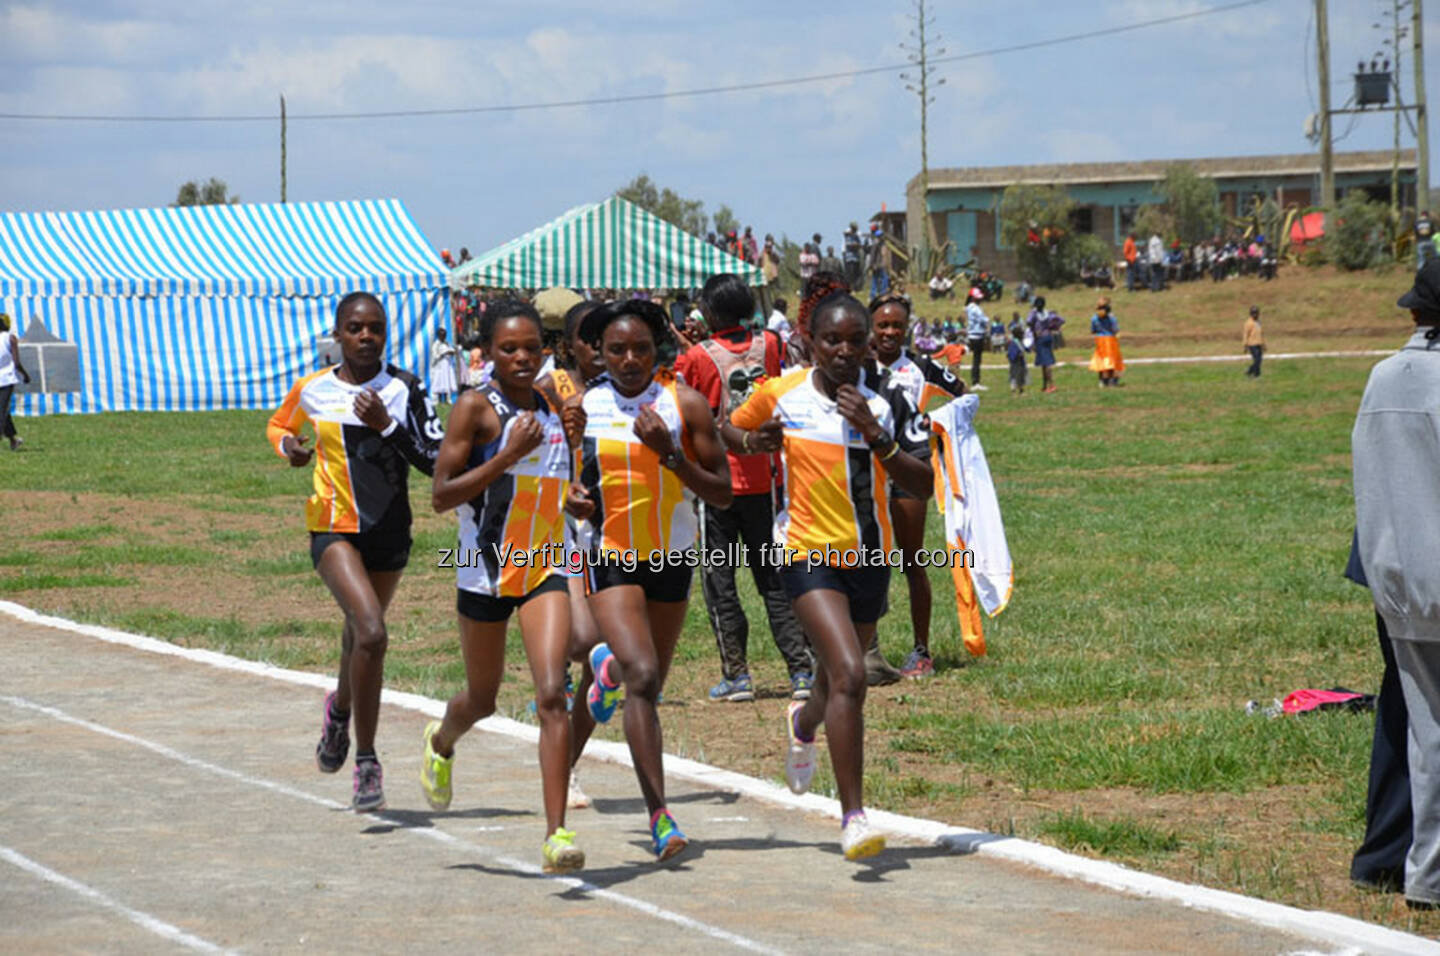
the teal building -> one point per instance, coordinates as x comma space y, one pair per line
963, 203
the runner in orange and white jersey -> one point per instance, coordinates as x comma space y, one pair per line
575, 365
505, 465
844, 434
372, 422
928, 386
649, 446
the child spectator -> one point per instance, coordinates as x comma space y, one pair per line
1017, 343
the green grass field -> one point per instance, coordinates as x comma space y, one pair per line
1178, 542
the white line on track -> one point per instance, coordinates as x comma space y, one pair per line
510, 863
144, 920
1185, 359
1311, 924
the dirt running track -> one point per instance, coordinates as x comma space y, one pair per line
153, 803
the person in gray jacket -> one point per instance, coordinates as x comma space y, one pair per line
1396, 451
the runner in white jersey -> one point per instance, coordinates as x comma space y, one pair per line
649, 447
928, 386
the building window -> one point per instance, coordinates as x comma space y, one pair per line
1125, 221
1082, 220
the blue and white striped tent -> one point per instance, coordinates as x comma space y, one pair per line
209, 307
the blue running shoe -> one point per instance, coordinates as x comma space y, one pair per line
801, 686
735, 691
604, 697
669, 840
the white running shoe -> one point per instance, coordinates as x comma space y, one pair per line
799, 756
858, 840
576, 799
977, 387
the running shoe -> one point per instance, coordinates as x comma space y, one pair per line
669, 840
369, 787
334, 745
734, 691
800, 755
858, 841
879, 671
604, 697
575, 798
801, 685
435, 771
918, 665
560, 852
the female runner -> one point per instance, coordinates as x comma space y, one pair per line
576, 364
649, 444
843, 432
370, 420
505, 465
926, 384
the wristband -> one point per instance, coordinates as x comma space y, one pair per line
390, 428
745, 443
894, 448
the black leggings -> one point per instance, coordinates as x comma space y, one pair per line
977, 349
7, 422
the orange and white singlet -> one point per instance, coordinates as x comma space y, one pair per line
640, 505
835, 487
360, 474
512, 534
926, 383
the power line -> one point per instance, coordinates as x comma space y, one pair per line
638, 97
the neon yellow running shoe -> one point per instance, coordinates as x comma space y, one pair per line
560, 852
857, 840
435, 772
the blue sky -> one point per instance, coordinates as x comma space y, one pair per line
793, 160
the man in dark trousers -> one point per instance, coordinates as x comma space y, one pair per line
1379, 864
1395, 449
725, 368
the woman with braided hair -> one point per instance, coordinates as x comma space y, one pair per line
815, 288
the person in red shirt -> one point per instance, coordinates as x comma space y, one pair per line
725, 368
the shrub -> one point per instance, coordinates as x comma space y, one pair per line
1357, 232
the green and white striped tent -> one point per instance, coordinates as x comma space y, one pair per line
606, 245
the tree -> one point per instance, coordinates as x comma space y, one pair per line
1153, 220
688, 214
725, 221
1035, 222
1192, 203
212, 193
1357, 231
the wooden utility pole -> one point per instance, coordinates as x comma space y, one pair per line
1399, 109
1422, 128
1327, 156
919, 83
282, 147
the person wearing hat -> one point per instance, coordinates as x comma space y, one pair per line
1395, 449
1424, 239
10, 368
1254, 341
553, 304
